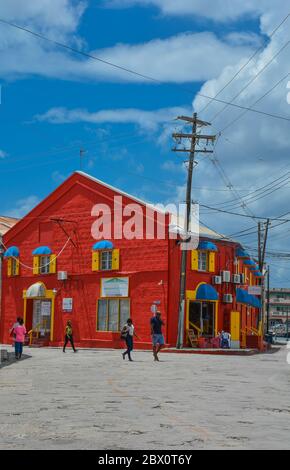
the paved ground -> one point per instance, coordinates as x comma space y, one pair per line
95, 400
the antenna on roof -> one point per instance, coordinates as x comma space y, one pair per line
82, 153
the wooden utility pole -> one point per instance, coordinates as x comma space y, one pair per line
261, 256
194, 142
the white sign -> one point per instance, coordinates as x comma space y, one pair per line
115, 287
67, 304
45, 308
254, 290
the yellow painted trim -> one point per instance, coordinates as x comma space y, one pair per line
49, 294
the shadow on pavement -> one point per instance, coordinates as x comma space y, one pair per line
12, 360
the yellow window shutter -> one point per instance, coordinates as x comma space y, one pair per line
96, 261
194, 260
52, 266
116, 260
211, 261
35, 264
17, 267
9, 267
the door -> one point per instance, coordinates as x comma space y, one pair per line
41, 319
201, 315
194, 316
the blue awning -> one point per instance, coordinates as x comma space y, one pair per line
240, 253
42, 250
258, 274
13, 251
249, 262
255, 267
209, 246
206, 292
243, 297
103, 245
255, 302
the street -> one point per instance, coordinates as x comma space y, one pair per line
95, 400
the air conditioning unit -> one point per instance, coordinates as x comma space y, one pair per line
226, 276
236, 278
62, 275
216, 280
228, 298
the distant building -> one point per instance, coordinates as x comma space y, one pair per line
279, 310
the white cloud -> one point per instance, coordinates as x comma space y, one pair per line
23, 206
181, 58
148, 120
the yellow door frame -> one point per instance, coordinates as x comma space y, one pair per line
49, 295
190, 297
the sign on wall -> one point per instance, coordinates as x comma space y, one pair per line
67, 304
254, 290
115, 287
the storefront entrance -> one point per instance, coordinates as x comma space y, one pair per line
39, 311
201, 318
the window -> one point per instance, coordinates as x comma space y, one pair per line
112, 314
202, 261
44, 263
106, 260
13, 267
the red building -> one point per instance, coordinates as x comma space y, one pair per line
55, 269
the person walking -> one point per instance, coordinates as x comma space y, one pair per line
128, 333
156, 333
69, 336
20, 332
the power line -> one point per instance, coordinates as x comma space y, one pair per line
257, 101
243, 215
253, 78
245, 64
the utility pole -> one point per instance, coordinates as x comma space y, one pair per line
261, 256
268, 299
194, 140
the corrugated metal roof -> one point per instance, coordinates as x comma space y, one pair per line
6, 223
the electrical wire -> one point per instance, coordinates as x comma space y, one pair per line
259, 49
131, 71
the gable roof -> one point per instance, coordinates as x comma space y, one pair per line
63, 188
73, 179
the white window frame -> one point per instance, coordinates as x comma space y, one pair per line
106, 263
203, 261
44, 264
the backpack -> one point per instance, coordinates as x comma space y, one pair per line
124, 332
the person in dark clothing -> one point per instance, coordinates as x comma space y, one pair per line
69, 336
156, 333
128, 333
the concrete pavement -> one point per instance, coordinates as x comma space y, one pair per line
95, 400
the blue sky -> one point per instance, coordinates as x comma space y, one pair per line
54, 102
